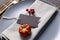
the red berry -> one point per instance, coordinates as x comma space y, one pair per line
26, 9
29, 12
31, 9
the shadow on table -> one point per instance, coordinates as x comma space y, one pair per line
46, 26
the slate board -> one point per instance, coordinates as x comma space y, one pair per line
31, 20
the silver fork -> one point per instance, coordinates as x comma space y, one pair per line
4, 37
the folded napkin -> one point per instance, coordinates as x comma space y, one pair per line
43, 10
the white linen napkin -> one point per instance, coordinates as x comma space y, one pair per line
43, 10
